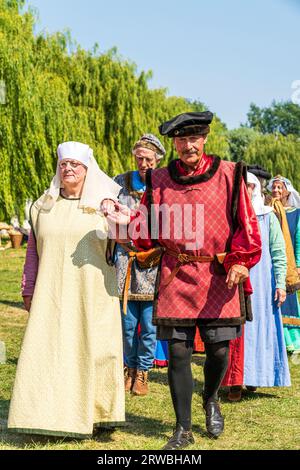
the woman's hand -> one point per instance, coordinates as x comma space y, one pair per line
27, 299
236, 274
280, 296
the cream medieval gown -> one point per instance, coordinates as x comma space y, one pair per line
70, 371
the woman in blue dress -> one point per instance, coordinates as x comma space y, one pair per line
266, 363
259, 358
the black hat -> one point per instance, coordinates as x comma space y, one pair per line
187, 124
259, 171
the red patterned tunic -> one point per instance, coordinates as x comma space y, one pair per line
203, 207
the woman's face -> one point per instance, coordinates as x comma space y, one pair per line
72, 173
279, 190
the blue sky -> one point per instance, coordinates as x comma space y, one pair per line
226, 53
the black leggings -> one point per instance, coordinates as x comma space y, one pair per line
181, 380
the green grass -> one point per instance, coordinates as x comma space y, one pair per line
268, 419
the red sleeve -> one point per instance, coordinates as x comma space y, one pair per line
30, 267
138, 227
246, 242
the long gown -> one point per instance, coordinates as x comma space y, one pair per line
265, 361
258, 358
291, 308
70, 371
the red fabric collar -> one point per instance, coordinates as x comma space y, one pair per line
203, 166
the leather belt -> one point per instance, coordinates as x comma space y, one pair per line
184, 258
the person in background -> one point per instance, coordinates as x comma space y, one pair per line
286, 202
258, 358
262, 175
136, 285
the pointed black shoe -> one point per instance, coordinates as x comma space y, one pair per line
180, 439
214, 419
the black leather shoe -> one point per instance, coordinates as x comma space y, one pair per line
180, 439
214, 419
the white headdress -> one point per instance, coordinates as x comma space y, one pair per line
294, 197
257, 198
97, 185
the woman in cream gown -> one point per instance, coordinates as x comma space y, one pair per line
69, 377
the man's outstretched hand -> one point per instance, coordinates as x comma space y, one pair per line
115, 212
107, 206
236, 274
118, 217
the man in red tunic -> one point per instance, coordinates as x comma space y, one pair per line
202, 216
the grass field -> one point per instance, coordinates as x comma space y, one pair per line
268, 419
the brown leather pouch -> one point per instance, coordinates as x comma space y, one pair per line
149, 258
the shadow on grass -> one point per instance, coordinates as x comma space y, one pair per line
21, 441
150, 427
11, 303
142, 425
161, 378
4, 406
198, 360
246, 395
158, 377
12, 361
137, 425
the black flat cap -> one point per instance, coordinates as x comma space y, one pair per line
187, 124
259, 171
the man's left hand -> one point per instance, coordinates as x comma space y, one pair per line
236, 274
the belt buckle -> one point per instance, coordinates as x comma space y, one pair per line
183, 258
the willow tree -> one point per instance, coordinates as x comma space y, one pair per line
53, 95
239, 141
278, 154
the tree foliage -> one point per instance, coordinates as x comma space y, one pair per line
278, 154
283, 118
56, 91
275, 152
239, 140
271, 139
54, 94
